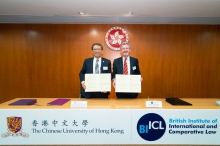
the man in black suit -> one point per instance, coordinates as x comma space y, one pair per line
132, 68
97, 64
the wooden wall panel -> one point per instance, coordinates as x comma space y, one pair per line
44, 60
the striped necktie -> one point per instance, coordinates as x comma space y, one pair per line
125, 67
97, 67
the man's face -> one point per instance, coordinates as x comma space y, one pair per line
125, 50
97, 51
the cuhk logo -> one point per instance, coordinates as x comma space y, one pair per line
14, 128
151, 127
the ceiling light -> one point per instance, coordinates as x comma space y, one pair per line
81, 13
130, 13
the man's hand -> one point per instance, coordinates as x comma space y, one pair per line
84, 85
113, 83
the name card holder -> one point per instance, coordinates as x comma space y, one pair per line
153, 103
78, 104
218, 102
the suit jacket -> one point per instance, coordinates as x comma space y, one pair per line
88, 69
118, 69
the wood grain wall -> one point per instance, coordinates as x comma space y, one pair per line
44, 60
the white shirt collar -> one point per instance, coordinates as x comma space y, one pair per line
128, 58
97, 58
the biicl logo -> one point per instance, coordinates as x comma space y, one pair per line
151, 127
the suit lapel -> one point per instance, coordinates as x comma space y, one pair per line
121, 71
91, 64
131, 64
102, 61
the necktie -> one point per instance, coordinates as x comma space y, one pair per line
97, 67
125, 67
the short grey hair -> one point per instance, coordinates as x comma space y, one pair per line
125, 43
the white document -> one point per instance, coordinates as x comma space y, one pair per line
98, 82
128, 83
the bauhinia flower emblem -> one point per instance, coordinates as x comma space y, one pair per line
115, 36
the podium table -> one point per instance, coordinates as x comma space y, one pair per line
198, 103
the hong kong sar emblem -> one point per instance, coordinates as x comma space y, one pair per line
14, 127
115, 36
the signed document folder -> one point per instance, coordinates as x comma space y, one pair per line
128, 83
59, 101
177, 101
24, 102
98, 82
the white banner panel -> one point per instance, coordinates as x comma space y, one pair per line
109, 126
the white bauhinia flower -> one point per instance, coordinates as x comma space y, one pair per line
116, 38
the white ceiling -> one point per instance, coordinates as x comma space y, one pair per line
111, 11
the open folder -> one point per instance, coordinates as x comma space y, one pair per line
24, 102
59, 101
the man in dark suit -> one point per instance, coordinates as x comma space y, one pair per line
94, 65
125, 65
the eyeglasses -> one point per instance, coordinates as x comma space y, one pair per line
125, 49
97, 49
